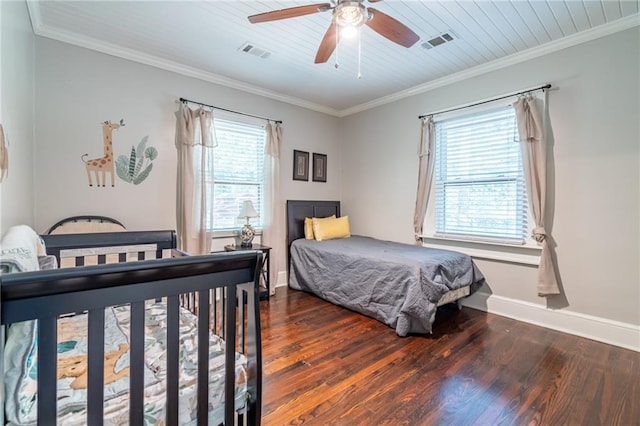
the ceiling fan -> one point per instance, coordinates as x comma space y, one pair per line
345, 14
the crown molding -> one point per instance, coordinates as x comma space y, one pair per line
34, 14
516, 58
136, 56
133, 55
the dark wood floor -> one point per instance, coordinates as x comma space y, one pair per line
325, 365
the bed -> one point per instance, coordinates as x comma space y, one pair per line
159, 337
401, 285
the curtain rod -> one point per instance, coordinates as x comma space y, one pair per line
535, 89
230, 110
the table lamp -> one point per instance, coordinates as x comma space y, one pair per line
247, 233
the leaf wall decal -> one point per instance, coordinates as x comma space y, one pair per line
151, 153
142, 176
134, 169
122, 168
141, 146
132, 161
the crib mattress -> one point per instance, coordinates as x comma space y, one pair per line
21, 370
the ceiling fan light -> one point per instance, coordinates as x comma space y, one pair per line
350, 13
349, 31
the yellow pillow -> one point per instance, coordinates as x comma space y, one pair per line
330, 228
308, 227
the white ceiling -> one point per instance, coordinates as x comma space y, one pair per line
202, 39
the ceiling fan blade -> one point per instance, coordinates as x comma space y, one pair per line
290, 12
391, 28
327, 45
374, 1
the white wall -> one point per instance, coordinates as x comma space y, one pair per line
77, 89
594, 114
16, 113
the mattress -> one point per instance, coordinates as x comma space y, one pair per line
21, 370
398, 284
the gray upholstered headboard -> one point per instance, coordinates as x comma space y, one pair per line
297, 210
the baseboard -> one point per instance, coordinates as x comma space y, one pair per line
595, 328
282, 279
604, 330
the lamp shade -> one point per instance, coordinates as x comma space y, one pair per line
247, 210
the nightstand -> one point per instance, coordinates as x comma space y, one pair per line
264, 268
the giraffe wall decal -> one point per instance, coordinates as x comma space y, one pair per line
102, 165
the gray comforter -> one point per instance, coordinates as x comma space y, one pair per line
397, 284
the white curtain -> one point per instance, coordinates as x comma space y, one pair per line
195, 140
534, 158
425, 175
273, 231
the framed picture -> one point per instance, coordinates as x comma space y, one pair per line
300, 165
319, 167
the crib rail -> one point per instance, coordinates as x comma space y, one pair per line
31, 286
124, 246
46, 295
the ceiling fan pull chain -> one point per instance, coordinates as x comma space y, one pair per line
337, 65
359, 52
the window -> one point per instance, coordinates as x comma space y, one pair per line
479, 185
238, 173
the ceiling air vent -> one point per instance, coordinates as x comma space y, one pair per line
253, 50
438, 40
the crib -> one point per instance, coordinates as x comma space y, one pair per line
202, 310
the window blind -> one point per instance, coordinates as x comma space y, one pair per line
238, 173
479, 182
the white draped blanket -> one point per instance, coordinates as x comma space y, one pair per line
19, 250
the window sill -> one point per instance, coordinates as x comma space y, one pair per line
525, 255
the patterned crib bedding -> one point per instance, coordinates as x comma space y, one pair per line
21, 370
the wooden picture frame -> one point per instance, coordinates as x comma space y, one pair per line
319, 167
300, 165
